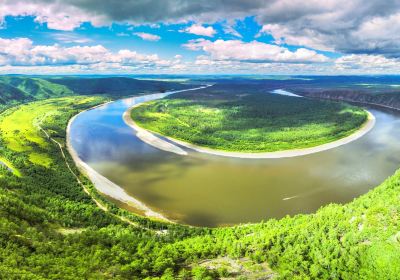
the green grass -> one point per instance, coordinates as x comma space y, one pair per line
249, 122
19, 126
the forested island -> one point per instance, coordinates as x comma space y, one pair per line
54, 226
243, 122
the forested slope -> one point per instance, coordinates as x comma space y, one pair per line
51, 229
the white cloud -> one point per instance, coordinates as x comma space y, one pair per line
22, 52
382, 33
55, 59
367, 63
283, 35
204, 64
20, 55
147, 36
253, 52
200, 30
228, 29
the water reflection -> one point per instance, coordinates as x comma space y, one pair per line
202, 189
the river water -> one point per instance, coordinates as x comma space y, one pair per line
206, 190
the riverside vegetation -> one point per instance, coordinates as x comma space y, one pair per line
248, 122
51, 229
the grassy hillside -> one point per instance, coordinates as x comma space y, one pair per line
32, 88
10, 94
248, 122
50, 228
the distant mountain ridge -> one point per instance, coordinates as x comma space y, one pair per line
387, 100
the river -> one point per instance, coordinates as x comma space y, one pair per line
207, 190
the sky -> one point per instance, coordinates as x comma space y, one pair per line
200, 37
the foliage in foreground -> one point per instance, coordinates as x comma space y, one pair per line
249, 122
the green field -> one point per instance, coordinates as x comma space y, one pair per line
51, 229
19, 126
249, 122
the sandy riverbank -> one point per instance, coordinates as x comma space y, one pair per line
367, 126
105, 186
149, 137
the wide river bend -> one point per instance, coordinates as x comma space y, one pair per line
207, 190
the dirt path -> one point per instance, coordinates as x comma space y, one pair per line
85, 189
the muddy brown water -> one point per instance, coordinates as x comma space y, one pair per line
205, 190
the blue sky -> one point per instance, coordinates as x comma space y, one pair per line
276, 37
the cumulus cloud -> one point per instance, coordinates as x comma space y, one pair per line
201, 30
147, 36
283, 35
253, 52
22, 52
20, 55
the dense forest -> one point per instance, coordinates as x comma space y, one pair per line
52, 229
234, 120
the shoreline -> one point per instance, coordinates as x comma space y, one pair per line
364, 129
150, 138
102, 184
